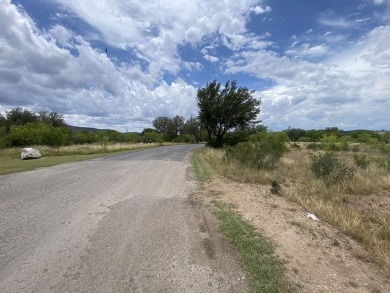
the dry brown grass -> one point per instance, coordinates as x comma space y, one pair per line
360, 207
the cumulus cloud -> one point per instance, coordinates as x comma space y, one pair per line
24, 47
193, 66
210, 58
58, 69
61, 35
261, 9
324, 77
154, 28
88, 87
344, 84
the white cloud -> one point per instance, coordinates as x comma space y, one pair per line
154, 28
62, 35
349, 82
18, 31
362, 19
211, 58
261, 9
306, 51
337, 22
193, 66
320, 79
89, 89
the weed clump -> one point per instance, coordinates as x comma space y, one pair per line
326, 166
275, 187
383, 162
361, 161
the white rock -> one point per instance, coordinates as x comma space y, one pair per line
30, 153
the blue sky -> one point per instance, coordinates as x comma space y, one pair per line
313, 64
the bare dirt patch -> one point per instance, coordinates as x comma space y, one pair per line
318, 257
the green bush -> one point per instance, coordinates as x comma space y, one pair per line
262, 151
275, 187
326, 166
104, 142
384, 148
355, 148
383, 162
361, 161
344, 146
36, 134
295, 146
315, 146
304, 139
234, 138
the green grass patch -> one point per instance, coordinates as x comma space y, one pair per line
10, 165
265, 269
10, 158
202, 170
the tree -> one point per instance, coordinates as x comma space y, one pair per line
37, 134
295, 133
2, 120
174, 127
151, 135
18, 116
161, 124
52, 118
221, 110
193, 127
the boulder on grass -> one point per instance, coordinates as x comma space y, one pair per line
30, 153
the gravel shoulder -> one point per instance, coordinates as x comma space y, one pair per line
317, 257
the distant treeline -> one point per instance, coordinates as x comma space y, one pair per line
21, 127
334, 134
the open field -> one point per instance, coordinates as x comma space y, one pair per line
10, 158
359, 206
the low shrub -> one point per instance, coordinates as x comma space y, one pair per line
383, 162
315, 146
275, 187
361, 161
262, 151
295, 146
355, 148
327, 167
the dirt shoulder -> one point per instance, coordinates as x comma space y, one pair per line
318, 257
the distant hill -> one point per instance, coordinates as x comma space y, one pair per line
90, 129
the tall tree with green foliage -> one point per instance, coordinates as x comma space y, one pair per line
161, 124
223, 109
52, 118
194, 127
295, 133
18, 116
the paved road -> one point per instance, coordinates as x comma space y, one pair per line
124, 223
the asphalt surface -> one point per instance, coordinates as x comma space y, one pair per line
125, 223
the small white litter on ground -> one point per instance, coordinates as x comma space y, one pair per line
313, 217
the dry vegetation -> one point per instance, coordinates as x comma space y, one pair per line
78, 149
360, 207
